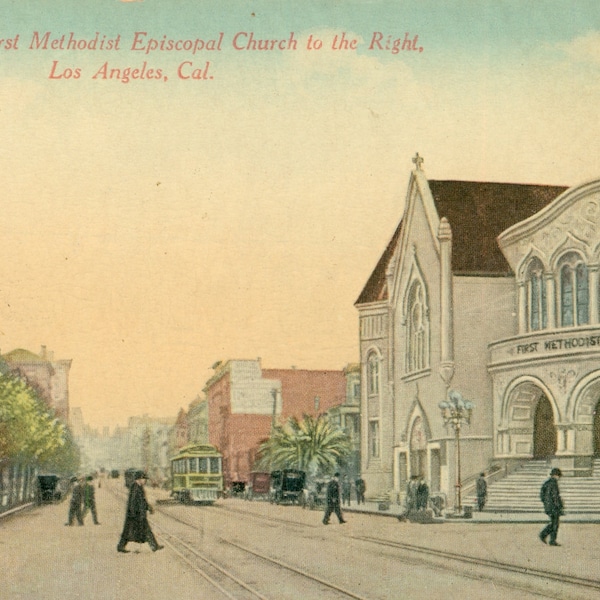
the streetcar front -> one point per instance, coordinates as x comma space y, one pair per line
197, 474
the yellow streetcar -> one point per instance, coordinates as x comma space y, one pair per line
197, 474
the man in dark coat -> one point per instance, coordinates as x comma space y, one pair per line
333, 500
553, 506
422, 494
346, 490
75, 506
360, 487
89, 500
411, 493
136, 528
481, 491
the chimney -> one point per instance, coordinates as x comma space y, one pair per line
43, 352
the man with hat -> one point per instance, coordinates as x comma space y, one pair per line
136, 528
333, 500
75, 506
89, 500
553, 506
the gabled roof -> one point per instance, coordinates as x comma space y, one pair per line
478, 212
376, 289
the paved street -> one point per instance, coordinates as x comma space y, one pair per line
43, 559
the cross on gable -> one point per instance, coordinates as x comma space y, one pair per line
418, 160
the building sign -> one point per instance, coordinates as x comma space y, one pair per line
569, 343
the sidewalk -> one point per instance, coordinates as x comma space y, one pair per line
396, 510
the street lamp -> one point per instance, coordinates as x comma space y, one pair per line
456, 411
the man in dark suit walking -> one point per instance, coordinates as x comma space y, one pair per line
553, 506
75, 506
136, 528
333, 500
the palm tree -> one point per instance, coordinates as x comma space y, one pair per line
312, 445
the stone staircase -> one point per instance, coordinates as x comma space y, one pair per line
520, 491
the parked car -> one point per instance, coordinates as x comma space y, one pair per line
287, 485
258, 486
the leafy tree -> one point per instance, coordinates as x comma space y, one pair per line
313, 445
29, 432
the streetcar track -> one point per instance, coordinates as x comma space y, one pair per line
266, 517
168, 540
562, 578
280, 563
268, 559
575, 581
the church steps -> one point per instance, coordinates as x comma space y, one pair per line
520, 491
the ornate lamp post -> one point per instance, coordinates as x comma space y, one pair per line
456, 411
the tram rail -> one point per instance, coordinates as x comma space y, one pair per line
545, 575
543, 582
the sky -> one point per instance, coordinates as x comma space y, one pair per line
152, 227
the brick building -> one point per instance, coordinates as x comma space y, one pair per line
245, 401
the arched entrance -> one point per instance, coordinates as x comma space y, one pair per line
528, 428
418, 449
544, 430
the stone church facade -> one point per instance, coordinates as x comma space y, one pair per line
490, 290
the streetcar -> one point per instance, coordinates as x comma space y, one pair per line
197, 474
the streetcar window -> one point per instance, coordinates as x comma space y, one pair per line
203, 465
214, 465
193, 465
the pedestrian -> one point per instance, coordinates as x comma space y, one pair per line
75, 506
481, 491
136, 528
333, 500
361, 488
89, 500
422, 494
411, 494
346, 490
553, 506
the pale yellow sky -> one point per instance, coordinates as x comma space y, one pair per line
150, 229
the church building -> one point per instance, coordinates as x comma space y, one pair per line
488, 292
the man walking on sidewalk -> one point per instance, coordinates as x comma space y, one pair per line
553, 506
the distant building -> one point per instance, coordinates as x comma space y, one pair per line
245, 402
49, 377
197, 421
346, 416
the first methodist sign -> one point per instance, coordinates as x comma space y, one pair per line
544, 344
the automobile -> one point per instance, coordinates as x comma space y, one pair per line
258, 486
287, 485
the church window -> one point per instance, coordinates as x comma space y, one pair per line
417, 322
374, 439
536, 296
574, 291
373, 374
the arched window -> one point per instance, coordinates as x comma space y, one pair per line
417, 338
373, 374
536, 296
574, 290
